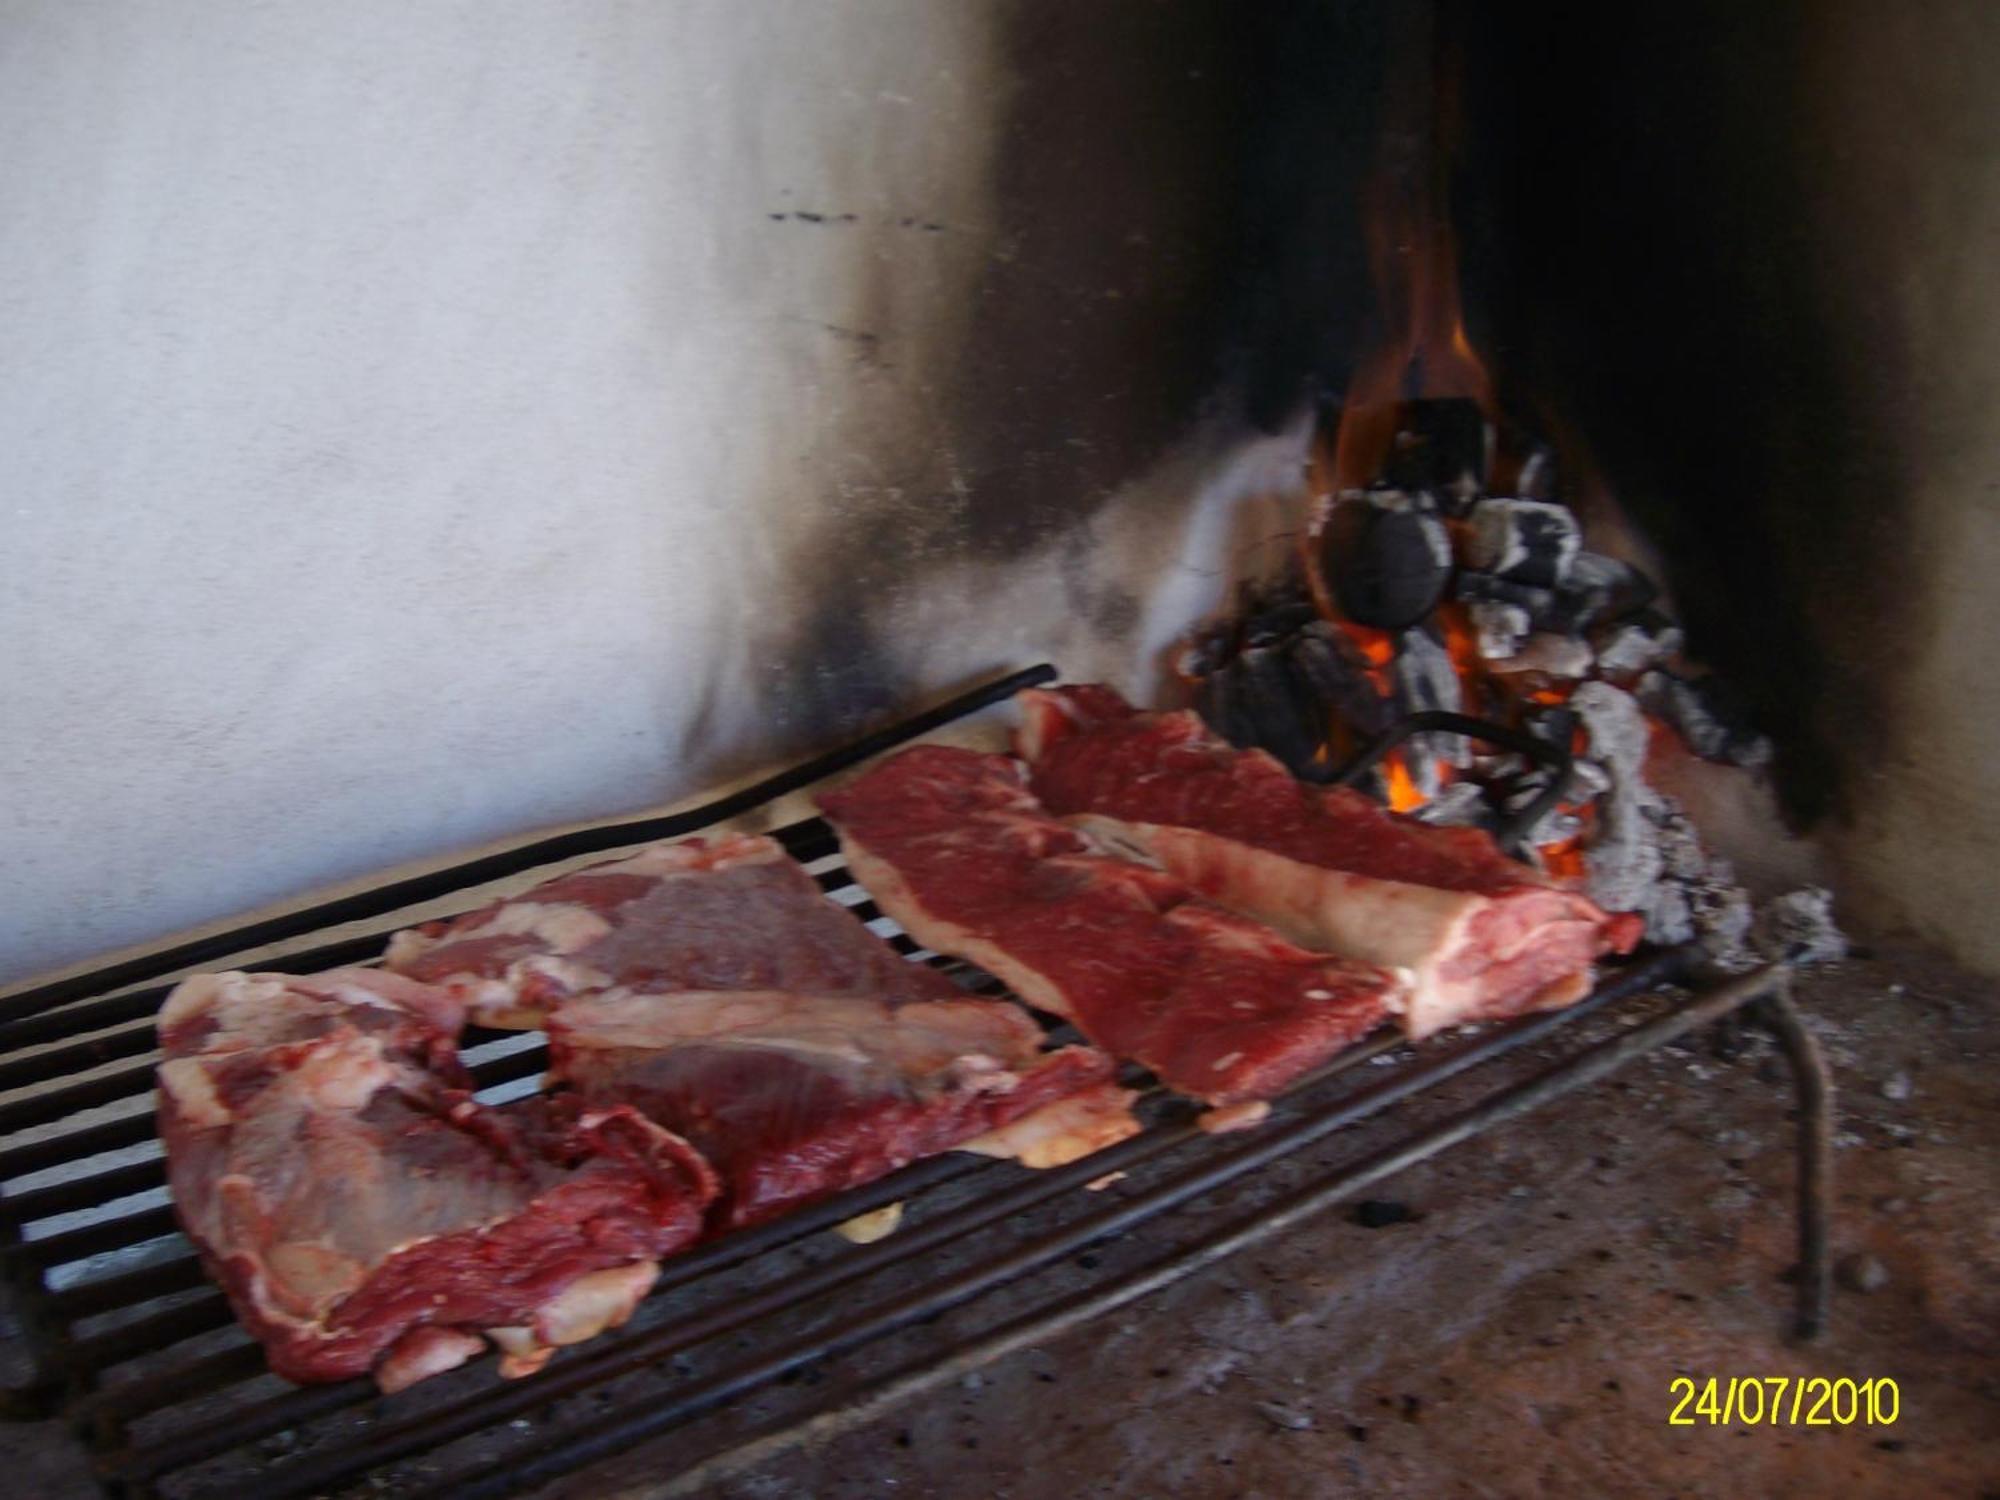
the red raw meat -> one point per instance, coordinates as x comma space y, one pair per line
363, 1211
794, 1097
717, 989
1480, 934
953, 846
733, 914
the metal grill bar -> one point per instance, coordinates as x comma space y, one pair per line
147, 1405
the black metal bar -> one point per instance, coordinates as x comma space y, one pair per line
1559, 761
106, 1294
76, 1145
435, 883
1044, 1324
616, 1431
94, 1239
1813, 1083
597, 1366
85, 1192
145, 1335
73, 1020
80, 1057
288, 1409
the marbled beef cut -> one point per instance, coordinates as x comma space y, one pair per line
952, 844
734, 913
716, 988
364, 1212
1481, 935
794, 1097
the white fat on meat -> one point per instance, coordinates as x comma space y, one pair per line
186, 1083
562, 926
582, 1310
422, 1353
1067, 1130
1442, 941
971, 1044
892, 894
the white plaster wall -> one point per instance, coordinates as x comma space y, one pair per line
396, 397
415, 416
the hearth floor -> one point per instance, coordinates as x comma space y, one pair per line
1516, 1336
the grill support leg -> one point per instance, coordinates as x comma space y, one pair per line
1812, 1083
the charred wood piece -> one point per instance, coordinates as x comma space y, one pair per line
1334, 676
1523, 541
1387, 556
1272, 708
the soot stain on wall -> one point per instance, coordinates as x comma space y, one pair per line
1096, 333
1643, 200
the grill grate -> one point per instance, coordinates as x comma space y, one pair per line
133, 1344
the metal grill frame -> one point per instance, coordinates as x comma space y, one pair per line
70, 1371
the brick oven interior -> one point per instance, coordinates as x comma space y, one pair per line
440, 428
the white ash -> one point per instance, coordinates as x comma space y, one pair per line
1425, 678
1647, 856
1623, 861
1557, 655
1587, 778
1628, 649
1459, 805
1498, 629
1536, 539
1799, 928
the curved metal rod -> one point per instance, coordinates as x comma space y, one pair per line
1813, 1084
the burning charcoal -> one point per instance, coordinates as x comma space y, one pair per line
1462, 804
1388, 557
1599, 588
1556, 655
1474, 587
1204, 652
1444, 446
1335, 673
1498, 629
1708, 716
1426, 680
1270, 705
1637, 642
1219, 702
1799, 928
1277, 619
1522, 541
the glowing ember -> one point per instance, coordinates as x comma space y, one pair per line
1396, 783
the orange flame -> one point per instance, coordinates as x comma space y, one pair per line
1425, 351
1401, 788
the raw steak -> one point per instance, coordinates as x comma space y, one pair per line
794, 1097
953, 845
733, 914
363, 1211
1482, 935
